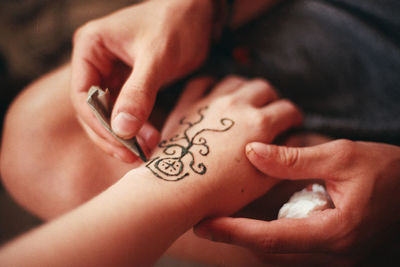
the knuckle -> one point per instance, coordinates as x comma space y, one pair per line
233, 79
345, 150
88, 31
288, 104
231, 101
292, 109
289, 156
261, 82
263, 122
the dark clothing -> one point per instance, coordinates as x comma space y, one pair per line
339, 60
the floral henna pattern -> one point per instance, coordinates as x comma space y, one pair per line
179, 159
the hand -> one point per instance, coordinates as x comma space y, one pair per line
133, 52
362, 179
205, 137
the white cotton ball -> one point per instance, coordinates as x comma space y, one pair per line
303, 203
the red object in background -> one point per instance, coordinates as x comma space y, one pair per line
241, 55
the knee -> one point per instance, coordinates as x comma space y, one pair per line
23, 158
29, 159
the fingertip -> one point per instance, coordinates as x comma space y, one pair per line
125, 125
220, 229
150, 135
257, 150
259, 154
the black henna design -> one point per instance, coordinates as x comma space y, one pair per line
171, 167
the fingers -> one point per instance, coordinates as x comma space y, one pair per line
90, 62
112, 148
227, 86
193, 91
90, 59
257, 92
279, 236
280, 116
135, 100
148, 138
321, 161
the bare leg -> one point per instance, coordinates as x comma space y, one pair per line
47, 162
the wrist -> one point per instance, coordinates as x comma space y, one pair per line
182, 199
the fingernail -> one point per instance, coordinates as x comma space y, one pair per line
260, 149
249, 149
125, 125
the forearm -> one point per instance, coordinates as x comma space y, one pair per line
199, 172
131, 223
135, 220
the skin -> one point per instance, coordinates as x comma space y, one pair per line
137, 50
116, 222
52, 192
362, 179
86, 170
147, 46
68, 192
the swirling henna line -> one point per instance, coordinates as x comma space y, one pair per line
223, 120
215, 130
174, 151
202, 142
148, 165
183, 122
200, 113
201, 166
163, 143
171, 166
201, 117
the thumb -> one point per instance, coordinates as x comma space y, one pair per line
321, 161
135, 101
278, 236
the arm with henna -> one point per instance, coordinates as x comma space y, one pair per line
198, 173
